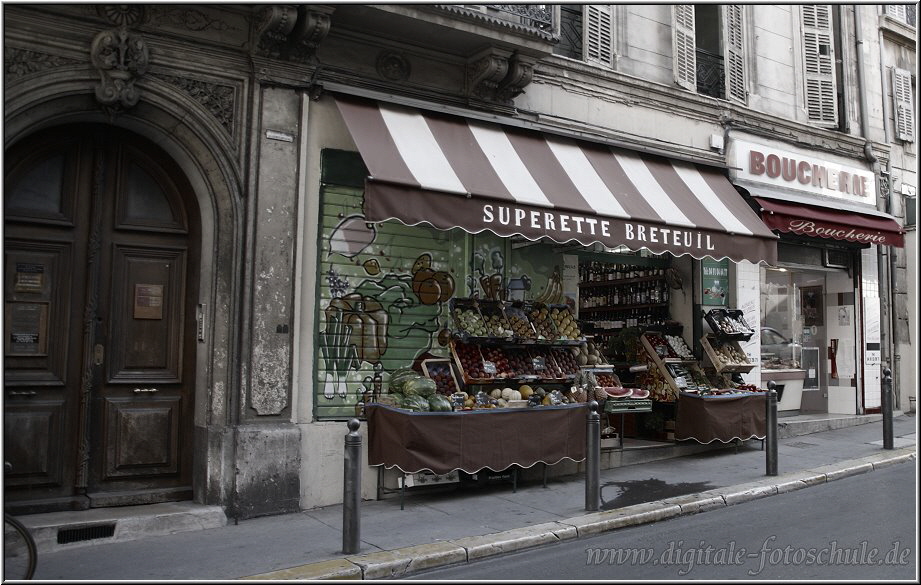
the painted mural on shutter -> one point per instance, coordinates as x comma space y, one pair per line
599, 34
819, 60
382, 300
734, 53
904, 104
684, 47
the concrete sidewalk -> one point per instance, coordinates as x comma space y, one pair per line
464, 524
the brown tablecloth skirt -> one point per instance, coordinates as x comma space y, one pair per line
720, 418
473, 440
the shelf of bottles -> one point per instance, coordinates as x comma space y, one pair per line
614, 296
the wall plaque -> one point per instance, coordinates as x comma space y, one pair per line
27, 328
148, 301
30, 277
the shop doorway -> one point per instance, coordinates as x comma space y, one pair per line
100, 250
809, 324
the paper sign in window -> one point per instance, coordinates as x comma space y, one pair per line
148, 301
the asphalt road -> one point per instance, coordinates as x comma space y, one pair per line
855, 528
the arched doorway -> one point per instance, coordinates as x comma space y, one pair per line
101, 256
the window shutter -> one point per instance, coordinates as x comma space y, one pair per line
598, 30
897, 11
734, 53
904, 105
684, 46
819, 58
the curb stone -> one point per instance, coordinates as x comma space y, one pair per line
415, 558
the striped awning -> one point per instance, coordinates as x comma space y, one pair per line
451, 171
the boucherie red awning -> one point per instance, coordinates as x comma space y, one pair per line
824, 222
451, 171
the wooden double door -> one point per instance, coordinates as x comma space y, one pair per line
100, 279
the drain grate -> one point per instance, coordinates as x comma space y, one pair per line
68, 535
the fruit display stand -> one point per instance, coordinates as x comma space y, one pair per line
474, 440
728, 417
726, 355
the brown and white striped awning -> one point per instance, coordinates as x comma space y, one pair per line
450, 171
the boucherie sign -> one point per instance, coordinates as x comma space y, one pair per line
802, 172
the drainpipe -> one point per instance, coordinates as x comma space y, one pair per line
883, 256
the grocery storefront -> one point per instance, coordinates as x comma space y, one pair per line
502, 258
820, 302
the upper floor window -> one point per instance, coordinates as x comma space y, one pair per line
906, 13
819, 68
587, 33
709, 50
903, 95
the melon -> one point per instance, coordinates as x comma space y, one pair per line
639, 393
618, 391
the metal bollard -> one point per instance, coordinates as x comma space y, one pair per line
593, 459
887, 409
770, 431
351, 490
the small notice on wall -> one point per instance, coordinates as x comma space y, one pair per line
27, 328
148, 301
30, 277
714, 281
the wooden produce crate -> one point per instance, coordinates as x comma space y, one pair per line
475, 374
442, 371
567, 326
521, 326
468, 321
729, 324
497, 324
565, 362
539, 314
726, 356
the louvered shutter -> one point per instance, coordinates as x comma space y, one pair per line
819, 59
904, 105
598, 33
734, 53
897, 11
684, 46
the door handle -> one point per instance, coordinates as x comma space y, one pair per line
99, 354
140, 390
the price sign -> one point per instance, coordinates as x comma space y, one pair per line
539, 363
489, 367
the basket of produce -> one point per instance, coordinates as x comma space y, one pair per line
497, 324
469, 362
729, 324
519, 323
566, 325
539, 314
564, 360
496, 362
441, 371
468, 321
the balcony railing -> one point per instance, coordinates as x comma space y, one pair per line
536, 16
711, 77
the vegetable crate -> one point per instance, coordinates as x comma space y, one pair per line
729, 324
442, 372
726, 356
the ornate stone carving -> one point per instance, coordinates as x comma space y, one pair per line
20, 62
218, 99
520, 72
120, 56
393, 66
485, 73
312, 27
275, 24
187, 17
